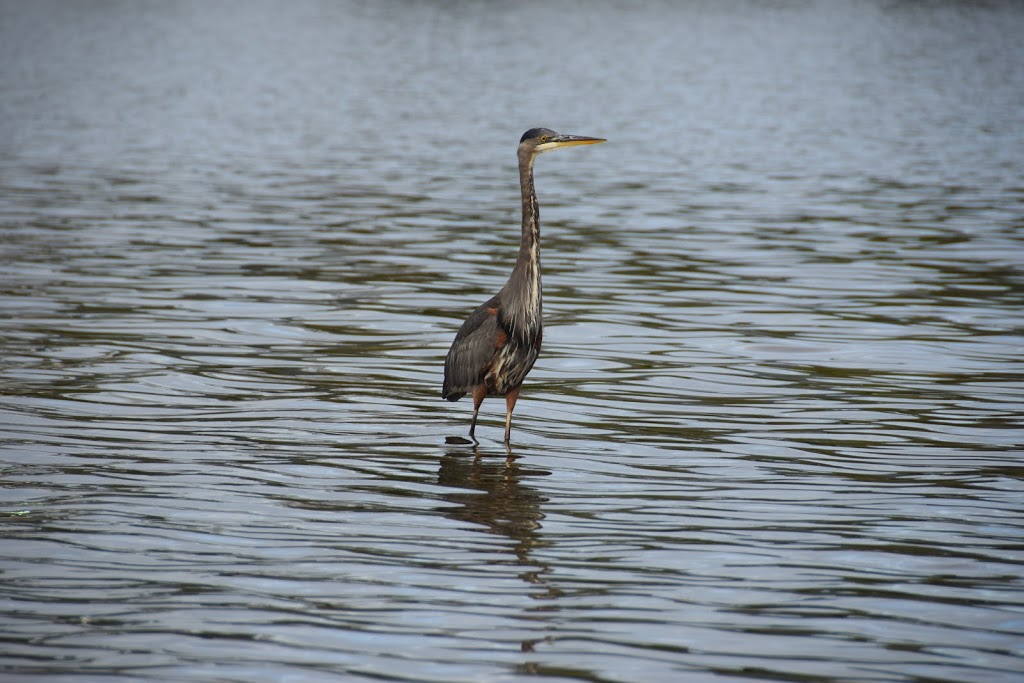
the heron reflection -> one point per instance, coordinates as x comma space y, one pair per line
493, 494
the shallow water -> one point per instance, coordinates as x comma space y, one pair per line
775, 431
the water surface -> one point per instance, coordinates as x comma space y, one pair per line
775, 431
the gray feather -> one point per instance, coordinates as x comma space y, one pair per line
471, 352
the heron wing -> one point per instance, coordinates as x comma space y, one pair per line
471, 352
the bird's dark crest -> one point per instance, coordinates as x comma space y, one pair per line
536, 133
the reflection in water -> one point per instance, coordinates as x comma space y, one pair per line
495, 497
503, 505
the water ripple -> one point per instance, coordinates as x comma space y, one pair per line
774, 434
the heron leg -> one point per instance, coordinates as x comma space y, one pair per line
479, 391
510, 404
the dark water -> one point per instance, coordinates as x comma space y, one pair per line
775, 432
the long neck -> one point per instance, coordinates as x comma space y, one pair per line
522, 293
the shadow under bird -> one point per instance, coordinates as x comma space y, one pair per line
498, 343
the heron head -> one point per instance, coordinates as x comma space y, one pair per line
537, 140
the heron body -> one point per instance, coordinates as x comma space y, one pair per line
498, 343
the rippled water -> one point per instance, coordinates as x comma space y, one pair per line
775, 431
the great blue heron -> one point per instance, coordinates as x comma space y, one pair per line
498, 343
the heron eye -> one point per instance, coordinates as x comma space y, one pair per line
544, 138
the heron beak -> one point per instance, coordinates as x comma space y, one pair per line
571, 141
